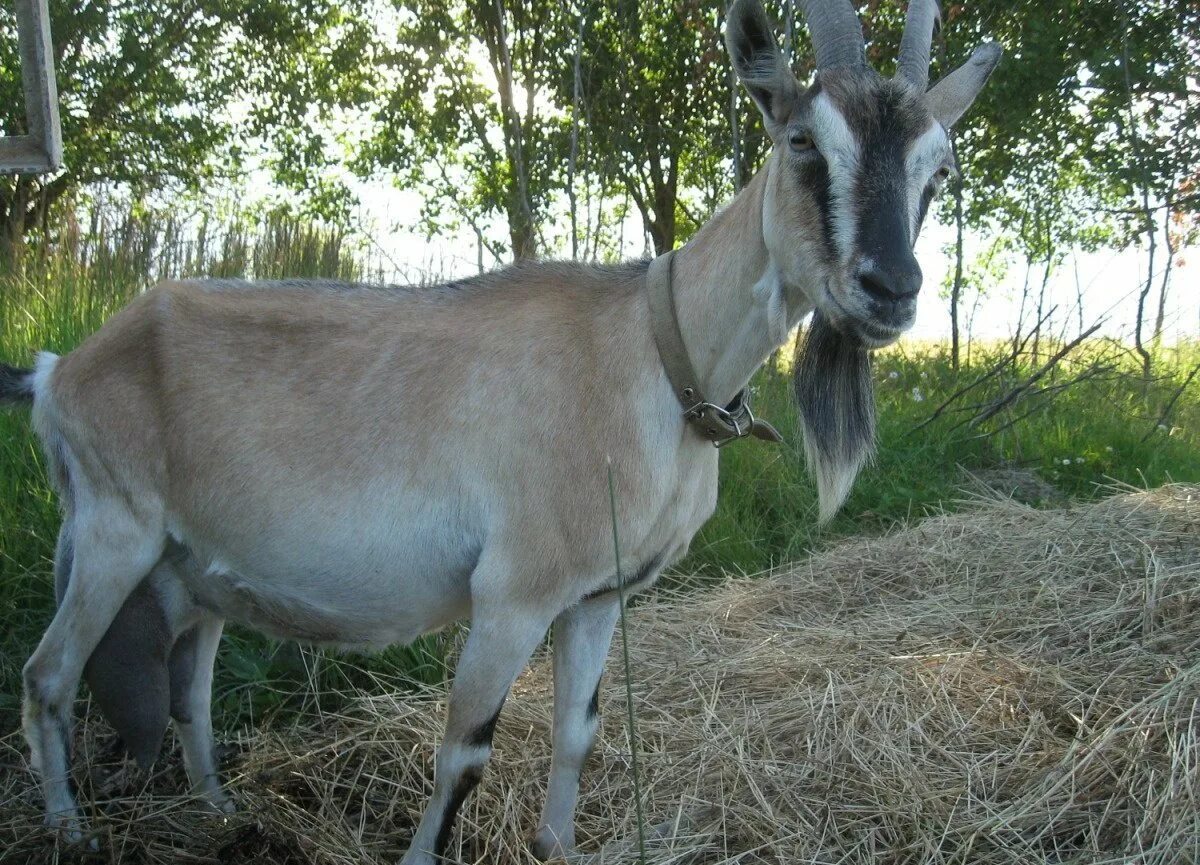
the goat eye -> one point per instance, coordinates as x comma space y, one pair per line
801, 141
942, 173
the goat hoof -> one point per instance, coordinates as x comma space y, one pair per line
71, 829
414, 857
548, 845
217, 803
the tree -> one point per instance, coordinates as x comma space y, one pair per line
482, 139
150, 91
1046, 153
655, 80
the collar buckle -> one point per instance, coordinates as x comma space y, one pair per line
722, 424
718, 424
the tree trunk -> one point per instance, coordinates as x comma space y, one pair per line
1078, 291
789, 32
1041, 305
663, 229
1147, 216
576, 95
522, 235
658, 214
735, 133
1016, 340
17, 218
1159, 319
956, 288
521, 225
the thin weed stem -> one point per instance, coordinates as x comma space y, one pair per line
633, 738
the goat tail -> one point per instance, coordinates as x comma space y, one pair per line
837, 410
16, 385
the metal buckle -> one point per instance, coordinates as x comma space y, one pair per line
739, 432
730, 420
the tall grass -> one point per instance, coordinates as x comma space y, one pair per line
54, 293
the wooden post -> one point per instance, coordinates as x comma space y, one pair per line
40, 150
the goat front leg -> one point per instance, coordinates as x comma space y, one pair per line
582, 636
503, 636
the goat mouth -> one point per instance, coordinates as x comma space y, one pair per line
867, 332
874, 335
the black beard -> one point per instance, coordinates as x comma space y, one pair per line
832, 384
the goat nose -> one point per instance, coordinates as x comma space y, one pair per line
891, 284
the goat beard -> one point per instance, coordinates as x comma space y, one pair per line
836, 401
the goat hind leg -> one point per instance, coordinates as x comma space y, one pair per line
113, 551
191, 667
127, 670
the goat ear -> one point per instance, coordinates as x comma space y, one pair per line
760, 65
949, 99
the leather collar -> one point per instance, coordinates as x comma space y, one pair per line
718, 424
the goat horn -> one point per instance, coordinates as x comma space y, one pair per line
836, 33
921, 22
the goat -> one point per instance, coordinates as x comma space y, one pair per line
359, 465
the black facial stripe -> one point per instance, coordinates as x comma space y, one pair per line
886, 120
813, 175
886, 123
926, 198
880, 195
882, 207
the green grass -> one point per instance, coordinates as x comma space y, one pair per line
766, 513
52, 296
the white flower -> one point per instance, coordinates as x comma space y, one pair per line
917, 395
1108, 448
1067, 461
924, 374
1079, 459
893, 375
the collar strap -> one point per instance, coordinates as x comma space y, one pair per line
718, 424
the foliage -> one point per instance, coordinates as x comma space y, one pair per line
476, 103
656, 77
1094, 105
162, 96
461, 111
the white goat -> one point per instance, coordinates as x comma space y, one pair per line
361, 465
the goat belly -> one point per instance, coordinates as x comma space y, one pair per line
351, 608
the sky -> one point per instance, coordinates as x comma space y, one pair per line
1109, 280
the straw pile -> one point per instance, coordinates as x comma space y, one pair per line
1000, 685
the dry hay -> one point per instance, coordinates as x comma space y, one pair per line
1000, 685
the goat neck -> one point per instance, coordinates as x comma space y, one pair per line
733, 309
